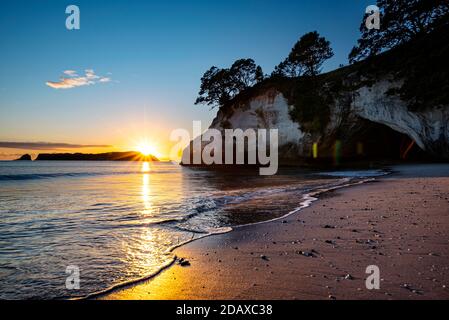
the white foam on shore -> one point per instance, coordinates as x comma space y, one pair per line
310, 198
355, 173
174, 258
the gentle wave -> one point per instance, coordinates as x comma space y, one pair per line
306, 201
39, 176
130, 224
355, 173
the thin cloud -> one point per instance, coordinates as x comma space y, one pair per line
47, 145
71, 73
72, 80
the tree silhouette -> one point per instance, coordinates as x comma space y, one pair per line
219, 86
215, 87
287, 69
245, 73
306, 57
401, 21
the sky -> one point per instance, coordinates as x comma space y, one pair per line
132, 71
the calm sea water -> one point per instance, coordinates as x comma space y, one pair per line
117, 221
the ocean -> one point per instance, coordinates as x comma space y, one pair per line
118, 221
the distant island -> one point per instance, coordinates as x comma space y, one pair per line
110, 156
25, 157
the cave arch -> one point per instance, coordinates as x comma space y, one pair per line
375, 141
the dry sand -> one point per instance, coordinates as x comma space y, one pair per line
400, 224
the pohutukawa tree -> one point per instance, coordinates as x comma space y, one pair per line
219, 86
287, 69
245, 73
215, 87
306, 57
401, 21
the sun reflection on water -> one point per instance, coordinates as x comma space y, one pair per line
149, 209
146, 190
151, 239
146, 167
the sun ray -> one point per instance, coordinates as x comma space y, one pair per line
147, 149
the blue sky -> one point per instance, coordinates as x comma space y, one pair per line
154, 53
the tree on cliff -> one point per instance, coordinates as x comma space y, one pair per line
219, 86
400, 22
215, 88
306, 57
245, 73
287, 69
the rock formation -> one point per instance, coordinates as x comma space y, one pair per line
387, 107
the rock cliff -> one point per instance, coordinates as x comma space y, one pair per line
393, 106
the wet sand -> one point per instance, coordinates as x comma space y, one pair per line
399, 223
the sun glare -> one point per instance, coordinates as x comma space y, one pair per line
147, 149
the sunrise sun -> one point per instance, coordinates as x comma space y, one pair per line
147, 149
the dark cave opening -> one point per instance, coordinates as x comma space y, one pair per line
374, 141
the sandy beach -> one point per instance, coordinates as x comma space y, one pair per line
399, 223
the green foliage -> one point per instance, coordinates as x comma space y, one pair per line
219, 86
306, 57
310, 99
244, 73
311, 104
287, 69
226, 124
417, 32
421, 65
425, 70
215, 87
401, 22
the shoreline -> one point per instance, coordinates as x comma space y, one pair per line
166, 283
307, 200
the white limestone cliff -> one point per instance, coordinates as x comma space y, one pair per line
270, 110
